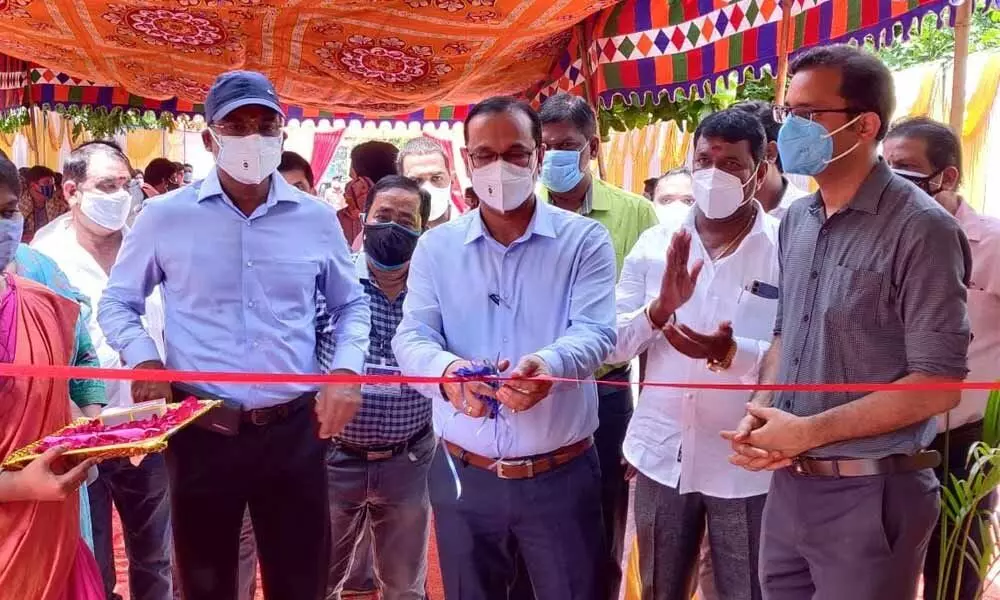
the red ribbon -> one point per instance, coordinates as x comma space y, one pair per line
51, 372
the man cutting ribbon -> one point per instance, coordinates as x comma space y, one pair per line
536, 284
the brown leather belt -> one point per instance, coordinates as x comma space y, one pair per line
864, 467
380, 453
521, 468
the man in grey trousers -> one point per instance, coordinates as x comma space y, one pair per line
872, 291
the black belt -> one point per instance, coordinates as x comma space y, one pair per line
384, 452
864, 467
258, 417
272, 414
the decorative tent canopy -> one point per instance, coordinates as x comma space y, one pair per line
645, 49
374, 57
49, 89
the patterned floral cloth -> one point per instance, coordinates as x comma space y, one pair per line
380, 57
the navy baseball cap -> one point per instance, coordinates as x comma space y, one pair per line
234, 89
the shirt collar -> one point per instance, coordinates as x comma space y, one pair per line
280, 190
541, 223
361, 267
968, 218
594, 200
868, 196
599, 198
755, 229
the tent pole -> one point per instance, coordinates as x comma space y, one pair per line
963, 13
589, 90
784, 44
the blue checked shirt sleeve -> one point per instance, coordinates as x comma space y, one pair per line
326, 344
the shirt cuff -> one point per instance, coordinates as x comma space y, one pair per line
140, 350
635, 333
436, 368
746, 361
348, 358
553, 360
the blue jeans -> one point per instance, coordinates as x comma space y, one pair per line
361, 578
389, 499
140, 495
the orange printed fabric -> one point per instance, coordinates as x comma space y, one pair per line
371, 56
39, 541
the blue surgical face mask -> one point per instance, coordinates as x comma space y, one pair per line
47, 191
806, 147
561, 169
10, 236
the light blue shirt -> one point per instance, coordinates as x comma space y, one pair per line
555, 291
239, 292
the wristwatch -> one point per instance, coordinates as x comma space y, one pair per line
717, 366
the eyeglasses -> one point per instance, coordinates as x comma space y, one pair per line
515, 156
781, 113
270, 128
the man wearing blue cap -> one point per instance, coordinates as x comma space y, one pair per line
240, 257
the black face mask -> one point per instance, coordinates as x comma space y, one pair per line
923, 181
389, 245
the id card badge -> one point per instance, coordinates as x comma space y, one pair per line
393, 390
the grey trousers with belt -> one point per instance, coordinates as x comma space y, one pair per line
854, 538
670, 526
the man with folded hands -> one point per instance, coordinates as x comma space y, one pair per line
873, 288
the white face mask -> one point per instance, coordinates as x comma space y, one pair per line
249, 159
110, 211
504, 186
440, 199
673, 212
718, 194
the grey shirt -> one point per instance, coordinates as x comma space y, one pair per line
870, 295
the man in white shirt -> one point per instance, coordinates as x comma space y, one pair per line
673, 196
702, 315
777, 192
929, 154
85, 243
424, 160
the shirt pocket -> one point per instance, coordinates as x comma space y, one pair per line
755, 317
289, 288
859, 299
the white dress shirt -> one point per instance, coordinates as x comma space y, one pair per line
791, 194
57, 240
673, 437
984, 313
549, 293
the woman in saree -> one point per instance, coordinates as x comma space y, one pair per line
42, 554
